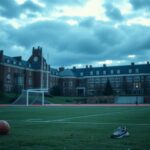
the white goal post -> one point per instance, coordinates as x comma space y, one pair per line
39, 91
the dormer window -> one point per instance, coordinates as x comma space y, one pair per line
118, 71
130, 70
8, 61
81, 73
112, 71
97, 72
91, 73
44, 67
104, 72
137, 70
14, 62
20, 63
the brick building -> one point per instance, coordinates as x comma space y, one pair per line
17, 74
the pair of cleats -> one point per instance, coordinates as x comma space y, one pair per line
120, 132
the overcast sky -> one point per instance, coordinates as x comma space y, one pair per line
77, 32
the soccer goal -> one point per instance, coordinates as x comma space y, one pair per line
32, 97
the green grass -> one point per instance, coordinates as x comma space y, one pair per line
75, 128
6, 98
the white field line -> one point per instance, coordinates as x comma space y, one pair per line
69, 118
33, 119
77, 117
106, 123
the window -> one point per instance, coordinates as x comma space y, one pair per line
30, 73
97, 72
137, 70
104, 72
20, 80
14, 62
104, 80
8, 61
112, 71
97, 80
20, 63
64, 83
91, 73
29, 65
137, 78
129, 79
90, 80
8, 78
130, 70
81, 73
8, 69
30, 81
44, 67
118, 71
70, 84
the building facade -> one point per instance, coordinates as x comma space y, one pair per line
17, 74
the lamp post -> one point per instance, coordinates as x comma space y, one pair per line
137, 86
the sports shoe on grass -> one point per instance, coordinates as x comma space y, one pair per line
120, 132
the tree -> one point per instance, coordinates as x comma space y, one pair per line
56, 91
108, 89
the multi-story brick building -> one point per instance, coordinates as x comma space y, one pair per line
17, 74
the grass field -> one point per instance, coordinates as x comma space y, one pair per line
75, 128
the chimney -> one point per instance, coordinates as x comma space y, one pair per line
86, 66
90, 66
104, 65
1, 55
18, 58
132, 64
61, 69
147, 62
74, 67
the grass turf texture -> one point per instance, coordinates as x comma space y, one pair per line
75, 128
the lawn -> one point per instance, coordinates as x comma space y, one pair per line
75, 128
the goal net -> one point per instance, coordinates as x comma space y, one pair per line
31, 97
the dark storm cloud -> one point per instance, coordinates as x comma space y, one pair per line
113, 12
81, 44
30, 6
10, 9
138, 4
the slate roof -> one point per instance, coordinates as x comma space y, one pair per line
54, 71
67, 73
14, 61
142, 68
